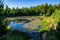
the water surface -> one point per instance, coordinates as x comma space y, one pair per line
20, 26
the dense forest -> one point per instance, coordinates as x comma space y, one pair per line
32, 11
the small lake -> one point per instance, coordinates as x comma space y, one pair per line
20, 26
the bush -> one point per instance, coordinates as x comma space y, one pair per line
51, 38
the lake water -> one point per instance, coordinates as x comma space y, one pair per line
20, 27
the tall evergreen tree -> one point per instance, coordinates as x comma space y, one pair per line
2, 26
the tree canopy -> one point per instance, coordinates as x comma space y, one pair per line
45, 9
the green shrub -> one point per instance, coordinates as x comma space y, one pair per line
51, 38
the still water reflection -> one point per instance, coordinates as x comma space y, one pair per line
20, 27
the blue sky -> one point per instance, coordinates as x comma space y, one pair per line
28, 3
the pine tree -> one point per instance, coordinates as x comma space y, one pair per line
2, 26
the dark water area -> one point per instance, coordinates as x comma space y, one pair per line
20, 27
34, 35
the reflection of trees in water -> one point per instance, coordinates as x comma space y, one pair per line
21, 20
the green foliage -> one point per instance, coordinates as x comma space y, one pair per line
51, 38
56, 16
45, 25
15, 35
2, 17
50, 13
45, 9
47, 21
